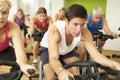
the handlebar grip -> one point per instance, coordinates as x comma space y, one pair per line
31, 71
105, 37
70, 78
119, 35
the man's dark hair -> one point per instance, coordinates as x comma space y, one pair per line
76, 10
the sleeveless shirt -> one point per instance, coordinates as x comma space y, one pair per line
20, 21
5, 44
63, 48
43, 25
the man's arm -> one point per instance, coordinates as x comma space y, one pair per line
105, 26
54, 48
96, 55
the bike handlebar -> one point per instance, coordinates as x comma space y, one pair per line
109, 71
100, 35
88, 65
12, 63
96, 74
105, 37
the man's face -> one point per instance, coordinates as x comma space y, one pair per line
96, 18
75, 26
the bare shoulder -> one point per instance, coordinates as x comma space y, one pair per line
53, 29
13, 25
54, 32
13, 28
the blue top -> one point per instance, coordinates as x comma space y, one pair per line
93, 28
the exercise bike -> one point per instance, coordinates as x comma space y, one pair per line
89, 74
96, 36
100, 72
16, 75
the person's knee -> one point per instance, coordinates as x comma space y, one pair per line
36, 43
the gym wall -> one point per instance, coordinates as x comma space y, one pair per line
88, 4
113, 19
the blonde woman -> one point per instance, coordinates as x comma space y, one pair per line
60, 15
10, 30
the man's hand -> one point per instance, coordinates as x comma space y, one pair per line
115, 35
64, 75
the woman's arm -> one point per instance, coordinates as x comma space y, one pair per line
16, 36
31, 30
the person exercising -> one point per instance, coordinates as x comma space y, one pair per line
10, 30
96, 23
23, 21
60, 15
39, 25
59, 42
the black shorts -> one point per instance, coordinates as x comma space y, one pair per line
37, 36
23, 28
9, 55
45, 59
